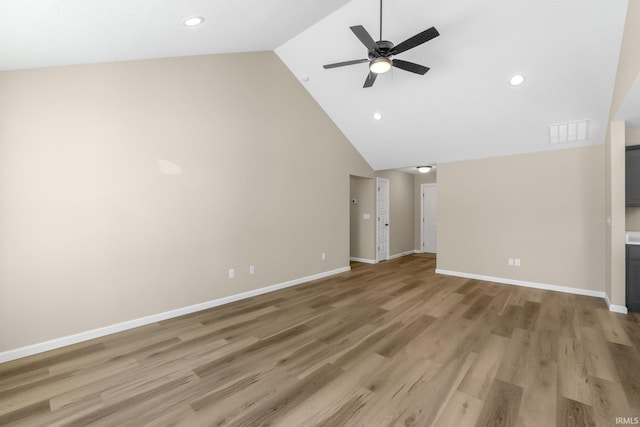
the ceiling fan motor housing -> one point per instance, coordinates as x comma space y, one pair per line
384, 49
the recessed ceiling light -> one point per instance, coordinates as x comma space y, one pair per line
377, 116
516, 80
193, 21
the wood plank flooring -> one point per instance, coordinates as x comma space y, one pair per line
392, 344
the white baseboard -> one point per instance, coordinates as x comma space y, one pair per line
364, 260
615, 308
403, 254
618, 309
130, 324
546, 287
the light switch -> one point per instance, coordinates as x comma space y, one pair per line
366, 216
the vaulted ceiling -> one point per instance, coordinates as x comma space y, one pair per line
463, 108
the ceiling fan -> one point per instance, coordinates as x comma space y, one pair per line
380, 53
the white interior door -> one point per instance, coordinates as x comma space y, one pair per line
382, 240
429, 218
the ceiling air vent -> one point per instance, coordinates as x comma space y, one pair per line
569, 132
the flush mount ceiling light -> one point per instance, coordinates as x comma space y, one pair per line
516, 80
194, 21
424, 169
380, 65
377, 116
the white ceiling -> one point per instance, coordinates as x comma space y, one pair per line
44, 33
462, 108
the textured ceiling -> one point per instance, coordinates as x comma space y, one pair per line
462, 108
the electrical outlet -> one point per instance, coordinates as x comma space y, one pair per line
517, 262
252, 269
232, 273
510, 261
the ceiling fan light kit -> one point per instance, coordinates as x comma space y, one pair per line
380, 65
380, 54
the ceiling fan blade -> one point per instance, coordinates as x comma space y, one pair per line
342, 64
410, 66
364, 37
416, 40
371, 78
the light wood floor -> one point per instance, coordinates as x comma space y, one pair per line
391, 344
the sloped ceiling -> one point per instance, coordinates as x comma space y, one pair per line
45, 33
462, 108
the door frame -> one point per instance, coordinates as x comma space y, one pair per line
378, 180
422, 187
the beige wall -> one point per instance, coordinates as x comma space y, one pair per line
632, 136
632, 215
93, 234
401, 211
545, 208
363, 231
616, 222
